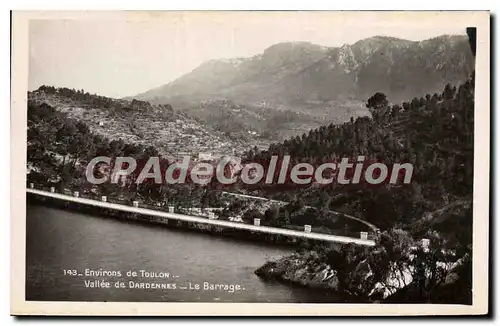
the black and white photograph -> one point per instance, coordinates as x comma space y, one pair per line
253, 157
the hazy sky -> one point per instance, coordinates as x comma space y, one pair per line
126, 56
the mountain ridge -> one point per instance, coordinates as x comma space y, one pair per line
289, 72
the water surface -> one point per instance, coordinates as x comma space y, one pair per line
59, 240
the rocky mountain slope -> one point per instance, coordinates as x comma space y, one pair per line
138, 122
307, 76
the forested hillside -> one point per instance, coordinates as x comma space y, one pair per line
60, 147
435, 133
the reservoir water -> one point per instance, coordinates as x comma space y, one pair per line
72, 256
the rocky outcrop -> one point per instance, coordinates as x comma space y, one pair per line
363, 280
299, 270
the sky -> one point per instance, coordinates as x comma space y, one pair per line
123, 55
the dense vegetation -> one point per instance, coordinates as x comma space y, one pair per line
396, 269
60, 147
434, 133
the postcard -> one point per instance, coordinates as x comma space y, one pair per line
252, 163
